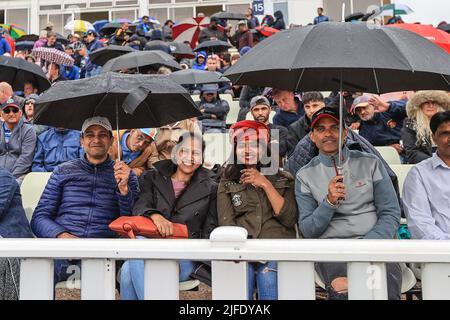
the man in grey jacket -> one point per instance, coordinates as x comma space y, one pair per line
359, 203
17, 140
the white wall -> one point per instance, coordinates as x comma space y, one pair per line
427, 11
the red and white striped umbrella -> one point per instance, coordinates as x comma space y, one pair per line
53, 55
189, 30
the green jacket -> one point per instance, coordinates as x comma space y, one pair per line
248, 207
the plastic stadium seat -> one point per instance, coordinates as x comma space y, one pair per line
233, 114
389, 154
31, 189
401, 170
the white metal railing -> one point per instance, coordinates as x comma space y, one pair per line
227, 246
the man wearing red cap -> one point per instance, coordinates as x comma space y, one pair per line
359, 202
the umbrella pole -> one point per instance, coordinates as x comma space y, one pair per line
117, 131
341, 126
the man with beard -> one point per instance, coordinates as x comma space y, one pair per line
212, 32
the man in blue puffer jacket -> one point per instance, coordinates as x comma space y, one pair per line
84, 196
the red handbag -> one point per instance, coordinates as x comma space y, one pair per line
132, 226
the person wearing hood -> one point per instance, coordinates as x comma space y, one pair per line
214, 110
200, 61
279, 23
312, 102
212, 32
416, 133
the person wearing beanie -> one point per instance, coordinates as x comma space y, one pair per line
257, 196
214, 110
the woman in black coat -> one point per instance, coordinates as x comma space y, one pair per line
179, 191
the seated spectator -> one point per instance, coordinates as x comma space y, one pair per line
5, 48
214, 110
381, 122
291, 108
312, 101
135, 147
416, 132
54, 147
85, 195
29, 88
213, 64
13, 224
168, 137
54, 74
200, 61
360, 203
6, 92
242, 37
28, 114
252, 197
18, 140
247, 94
260, 110
426, 188
279, 23
174, 192
70, 73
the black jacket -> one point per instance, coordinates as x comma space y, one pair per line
218, 108
196, 206
414, 153
296, 132
246, 96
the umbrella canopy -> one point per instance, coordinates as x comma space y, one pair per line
14, 30
99, 24
79, 26
110, 28
103, 55
122, 20
17, 72
181, 50
377, 60
61, 39
24, 45
224, 15
267, 31
143, 101
190, 76
445, 27
53, 55
28, 37
189, 30
157, 45
213, 46
141, 60
439, 37
395, 9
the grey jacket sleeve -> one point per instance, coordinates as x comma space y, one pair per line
25, 160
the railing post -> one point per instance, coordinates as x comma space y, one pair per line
36, 279
367, 281
436, 281
296, 281
161, 280
98, 279
229, 278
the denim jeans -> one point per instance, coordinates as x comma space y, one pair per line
132, 278
265, 278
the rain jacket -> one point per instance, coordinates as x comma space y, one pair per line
196, 65
218, 108
4, 46
82, 198
55, 147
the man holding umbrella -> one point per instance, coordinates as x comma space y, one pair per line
360, 202
84, 196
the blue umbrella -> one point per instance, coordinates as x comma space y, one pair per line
99, 24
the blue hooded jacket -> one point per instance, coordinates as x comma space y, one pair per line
196, 65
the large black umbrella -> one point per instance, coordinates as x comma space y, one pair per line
18, 71
110, 28
344, 56
141, 60
24, 45
103, 55
28, 37
128, 101
61, 39
157, 45
213, 46
190, 76
224, 15
181, 50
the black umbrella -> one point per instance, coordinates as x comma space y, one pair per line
17, 72
181, 50
344, 56
354, 16
445, 27
190, 76
61, 39
213, 46
24, 45
157, 45
103, 55
28, 37
141, 60
128, 101
110, 28
229, 16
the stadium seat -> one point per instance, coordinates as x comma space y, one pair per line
271, 115
228, 98
31, 189
233, 114
217, 148
389, 154
401, 170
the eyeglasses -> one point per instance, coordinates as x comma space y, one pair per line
8, 110
29, 102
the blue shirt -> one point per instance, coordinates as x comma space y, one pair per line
320, 19
4, 46
426, 199
7, 132
127, 155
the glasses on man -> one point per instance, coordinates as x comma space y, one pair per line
13, 110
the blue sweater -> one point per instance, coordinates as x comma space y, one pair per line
4, 46
82, 199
